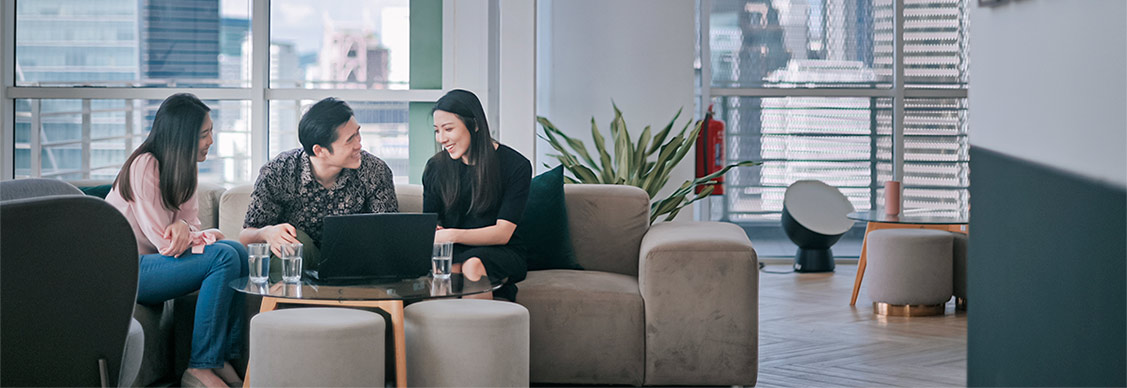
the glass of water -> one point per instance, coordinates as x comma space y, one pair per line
259, 254
291, 262
442, 259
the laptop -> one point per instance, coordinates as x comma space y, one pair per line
359, 248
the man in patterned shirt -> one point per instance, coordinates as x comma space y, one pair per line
330, 175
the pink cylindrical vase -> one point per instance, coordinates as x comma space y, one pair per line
892, 198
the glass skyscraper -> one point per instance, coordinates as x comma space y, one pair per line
105, 43
180, 40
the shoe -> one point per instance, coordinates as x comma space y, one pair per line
233, 383
190, 381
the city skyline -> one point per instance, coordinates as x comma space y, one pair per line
159, 44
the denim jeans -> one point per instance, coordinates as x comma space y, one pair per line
220, 310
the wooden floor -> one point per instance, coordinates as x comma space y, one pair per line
810, 336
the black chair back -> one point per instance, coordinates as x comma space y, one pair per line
68, 265
35, 187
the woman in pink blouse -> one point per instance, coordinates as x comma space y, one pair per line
156, 191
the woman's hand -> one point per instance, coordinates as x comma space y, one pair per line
445, 235
179, 236
216, 234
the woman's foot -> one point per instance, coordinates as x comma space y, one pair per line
228, 374
197, 377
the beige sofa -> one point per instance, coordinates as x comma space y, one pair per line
669, 304
672, 304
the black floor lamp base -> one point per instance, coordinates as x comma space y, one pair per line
814, 260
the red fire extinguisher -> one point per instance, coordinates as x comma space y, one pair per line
710, 151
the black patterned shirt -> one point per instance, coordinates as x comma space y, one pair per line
287, 192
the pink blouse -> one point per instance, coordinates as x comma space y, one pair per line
146, 213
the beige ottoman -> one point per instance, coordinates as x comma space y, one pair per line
466, 343
909, 271
316, 347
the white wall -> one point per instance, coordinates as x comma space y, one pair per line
466, 48
1048, 83
516, 75
507, 95
637, 52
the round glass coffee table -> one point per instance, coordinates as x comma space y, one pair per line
908, 219
385, 295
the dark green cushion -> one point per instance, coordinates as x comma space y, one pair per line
97, 191
543, 227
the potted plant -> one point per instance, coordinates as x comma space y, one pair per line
633, 162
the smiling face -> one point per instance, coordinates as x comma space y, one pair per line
206, 138
452, 134
346, 147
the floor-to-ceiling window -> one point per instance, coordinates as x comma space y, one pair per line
88, 76
812, 88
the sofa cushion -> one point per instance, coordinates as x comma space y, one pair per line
233, 210
587, 327
207, 196
410, 198
100, 191
234, 203
607, 223
543, 228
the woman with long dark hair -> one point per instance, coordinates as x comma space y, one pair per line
156, 191
479, 188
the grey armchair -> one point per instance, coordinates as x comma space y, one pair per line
69, 269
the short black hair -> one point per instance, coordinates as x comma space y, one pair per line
318, 126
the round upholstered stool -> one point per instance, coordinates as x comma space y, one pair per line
316, 347
466, 343
909, 271
960, 270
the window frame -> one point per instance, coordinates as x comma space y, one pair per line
259, 93
898, 93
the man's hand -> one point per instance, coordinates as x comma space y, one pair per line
279, 234
179, 236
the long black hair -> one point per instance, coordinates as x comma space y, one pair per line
174, 141
481, 155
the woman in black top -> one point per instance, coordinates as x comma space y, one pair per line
479, 188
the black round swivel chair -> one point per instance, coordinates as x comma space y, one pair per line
814, 217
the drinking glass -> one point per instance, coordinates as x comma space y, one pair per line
442, 259
259, 257
291, 262
440, 286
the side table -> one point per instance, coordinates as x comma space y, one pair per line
908, 219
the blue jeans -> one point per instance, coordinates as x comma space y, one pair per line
220, 310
